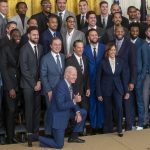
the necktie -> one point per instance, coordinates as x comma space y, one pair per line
58, 64
82, 21
104, 23
71, 92
54, 35
118, 45
36, 54
94, 53
81, 65
60, 17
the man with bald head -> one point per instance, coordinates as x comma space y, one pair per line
63, 107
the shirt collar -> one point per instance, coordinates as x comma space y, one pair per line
52, 32
63, 12
95, 27
94, 47
54, 54
68, 84
32, 44
71, 33
133, 41
2, 15
119, 40
110, 59
78, 58
147, 40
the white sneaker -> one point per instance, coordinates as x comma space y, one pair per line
133, 128
139, 128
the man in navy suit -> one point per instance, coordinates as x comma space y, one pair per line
63, 107
126, 51
51, 71
51, 32
141, 64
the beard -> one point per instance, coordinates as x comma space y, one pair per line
34, 41
93, 42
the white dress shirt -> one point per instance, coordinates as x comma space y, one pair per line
78, 59
62, 15
95, 27
112, 64
92, 47
55, 57
68, 40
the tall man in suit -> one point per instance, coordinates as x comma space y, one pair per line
21, 18
3, 20
71, 35
29, 59
51, 32
104, 20
81, 18
42, 17
62, 13
63, 107
80, 62
94, 52
10, 74
51, 72
126, 51
92, 20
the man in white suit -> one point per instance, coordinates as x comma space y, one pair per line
21, 18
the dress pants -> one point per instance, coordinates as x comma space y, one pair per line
115, 100
58, 134
10, 110
32, 110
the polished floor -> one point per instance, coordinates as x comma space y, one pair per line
133, 140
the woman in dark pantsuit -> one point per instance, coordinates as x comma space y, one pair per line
112, 81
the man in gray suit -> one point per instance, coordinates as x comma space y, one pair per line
21, 18
51, 72
62, 13
30, 55
71, 35
3, 20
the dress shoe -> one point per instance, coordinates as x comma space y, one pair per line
120, 134
146, 126
76, 140
93, 132
2, 140
29, 140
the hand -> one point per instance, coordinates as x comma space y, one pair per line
12, 94
77, 98
38, 86
49, 95
131, 86
127, 95
100, 98
78, 117
88, 92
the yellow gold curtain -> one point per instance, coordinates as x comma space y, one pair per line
34, 6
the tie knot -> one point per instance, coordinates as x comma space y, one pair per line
60, 14
57, 56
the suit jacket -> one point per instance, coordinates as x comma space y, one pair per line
3, 23
4, 41
46, 38
80, 27
82, 81
59, 110
108, 24
106, 81
77, 35
62, 26
110, 36
24, 39
100, 32
128, 53
20, 26
9, 66
29, 66
49, 72
141, 58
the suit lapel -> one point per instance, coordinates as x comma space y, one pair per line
109, 66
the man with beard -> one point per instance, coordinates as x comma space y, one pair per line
94, 51
126, 51
10, 74
30, 55
21, 18
42, 17
51, 32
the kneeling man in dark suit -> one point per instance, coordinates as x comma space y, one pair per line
63, 107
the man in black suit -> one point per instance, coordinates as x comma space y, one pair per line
80, 62
42, 17
29, 59
92, 20
104, 20
81, 18
126, 51
10, 74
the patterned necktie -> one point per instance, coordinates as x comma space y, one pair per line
81, 65
58, 64
94, 53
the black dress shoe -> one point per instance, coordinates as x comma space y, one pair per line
29, 140
76, 140
120, 134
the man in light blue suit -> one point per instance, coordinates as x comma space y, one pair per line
94, 52
51, 72
63, 107
141, 66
